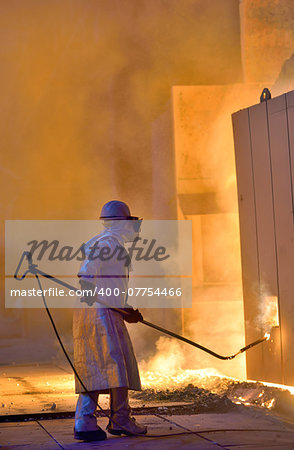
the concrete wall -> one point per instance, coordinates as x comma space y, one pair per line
267, 38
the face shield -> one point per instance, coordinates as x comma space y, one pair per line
136, 223
128, 229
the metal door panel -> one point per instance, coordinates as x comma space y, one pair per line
283, 209
265, 226
249, 246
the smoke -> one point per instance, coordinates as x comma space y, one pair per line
169, 357
268, 315
82, 84
208, 326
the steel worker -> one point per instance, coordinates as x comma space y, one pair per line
103, 353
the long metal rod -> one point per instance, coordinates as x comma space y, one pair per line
36, 271
188, 341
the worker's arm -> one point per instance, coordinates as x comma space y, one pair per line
129, 314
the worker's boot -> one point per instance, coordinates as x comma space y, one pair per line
121, 421
86, 428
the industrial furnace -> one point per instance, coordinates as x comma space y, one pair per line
264, 151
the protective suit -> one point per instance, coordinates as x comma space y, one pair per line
103, 352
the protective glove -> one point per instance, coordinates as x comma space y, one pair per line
133, 315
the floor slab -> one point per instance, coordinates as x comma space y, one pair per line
52, 434
25, 435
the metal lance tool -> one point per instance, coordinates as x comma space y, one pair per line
33, 269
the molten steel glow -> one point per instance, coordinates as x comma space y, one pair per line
167, 380
279, 386
248, 393
267, 336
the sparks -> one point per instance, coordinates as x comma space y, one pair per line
271, 403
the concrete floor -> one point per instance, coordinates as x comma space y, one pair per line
36, 388
269, 432
47, 389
